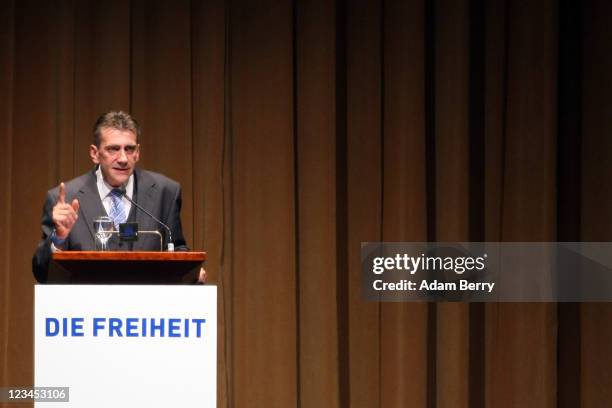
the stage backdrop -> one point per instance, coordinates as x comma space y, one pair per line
300, 129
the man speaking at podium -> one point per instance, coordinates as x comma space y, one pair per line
115, 187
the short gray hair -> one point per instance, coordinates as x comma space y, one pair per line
115, 120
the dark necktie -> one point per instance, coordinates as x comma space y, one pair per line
117, 210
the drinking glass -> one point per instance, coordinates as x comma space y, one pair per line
103, 227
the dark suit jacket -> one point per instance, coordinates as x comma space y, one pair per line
156, 193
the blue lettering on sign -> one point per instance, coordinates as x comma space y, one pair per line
124, 327
69, 327
115, 326
174, 327
98, 324
199, 323
77, 327
51, 327
132, 326
157, 327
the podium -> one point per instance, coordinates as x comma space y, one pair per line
125, 267
133, 336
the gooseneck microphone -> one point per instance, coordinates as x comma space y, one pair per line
170, 243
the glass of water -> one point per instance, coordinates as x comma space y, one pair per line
103, 227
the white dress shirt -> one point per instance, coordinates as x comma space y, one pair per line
105, 192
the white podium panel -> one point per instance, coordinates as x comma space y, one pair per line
127, 346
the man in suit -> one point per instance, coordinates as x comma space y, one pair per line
70, 209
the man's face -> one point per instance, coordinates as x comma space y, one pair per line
117, 155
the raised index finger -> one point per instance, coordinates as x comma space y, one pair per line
62, 194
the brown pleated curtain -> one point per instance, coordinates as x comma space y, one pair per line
301, 129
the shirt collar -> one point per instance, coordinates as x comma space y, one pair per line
104, 188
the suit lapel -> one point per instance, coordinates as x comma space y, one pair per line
146, 197
90, 203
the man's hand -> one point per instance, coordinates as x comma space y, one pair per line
202, 276
64, 215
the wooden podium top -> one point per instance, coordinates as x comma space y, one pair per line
125, 267
128, 256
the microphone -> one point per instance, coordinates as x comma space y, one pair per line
170, 243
